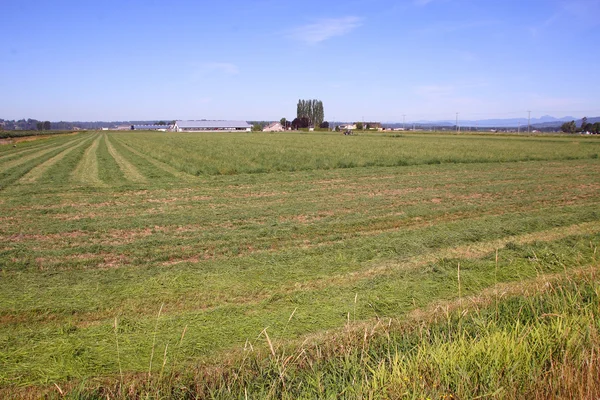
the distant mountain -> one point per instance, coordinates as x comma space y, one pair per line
546, 122
500, 123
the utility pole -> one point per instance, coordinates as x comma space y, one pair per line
457, 127
403, 121
528, 120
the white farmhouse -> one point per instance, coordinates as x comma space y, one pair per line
273, 127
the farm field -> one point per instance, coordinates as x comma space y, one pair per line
134, 252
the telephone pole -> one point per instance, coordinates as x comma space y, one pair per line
528, 120
457, 126
403, 121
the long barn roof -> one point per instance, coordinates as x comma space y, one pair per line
213, 124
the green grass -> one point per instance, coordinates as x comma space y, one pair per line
266, 152
231, 234
538, 345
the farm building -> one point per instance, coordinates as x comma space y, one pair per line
273, 127
162, 128
371, 125
211, 126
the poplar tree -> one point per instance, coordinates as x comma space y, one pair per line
312, 110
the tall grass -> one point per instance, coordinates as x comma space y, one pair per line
543, 344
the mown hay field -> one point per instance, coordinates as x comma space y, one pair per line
135, 252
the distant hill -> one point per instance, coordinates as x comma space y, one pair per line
504, 123
545, 122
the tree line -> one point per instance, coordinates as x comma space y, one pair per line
571, 127
25, 125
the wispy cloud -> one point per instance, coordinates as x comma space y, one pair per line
586, 11
324, 29
422, 2
536, 29
450, 27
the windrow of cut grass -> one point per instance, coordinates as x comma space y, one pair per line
11, 153
34, 174
149, 168
14, 168
86, 170
113, 228
130, 172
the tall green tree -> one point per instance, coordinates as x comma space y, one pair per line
47, 125
569, 127
311, 109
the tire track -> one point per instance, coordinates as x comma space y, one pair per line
130, 172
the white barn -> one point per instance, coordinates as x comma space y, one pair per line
212, 126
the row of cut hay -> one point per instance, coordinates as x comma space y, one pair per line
35, 174
129, 170
156, 162
13, 170
151, 169
40, 152
86, 172
11, 152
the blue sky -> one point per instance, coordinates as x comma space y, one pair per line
253, 59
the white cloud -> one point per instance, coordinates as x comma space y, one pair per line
324, 29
